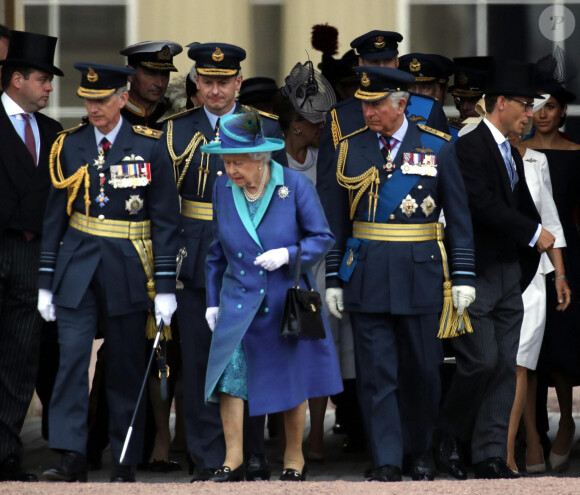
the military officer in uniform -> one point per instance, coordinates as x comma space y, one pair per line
218, 78
431, 73
393, 179
109, 242
152, 61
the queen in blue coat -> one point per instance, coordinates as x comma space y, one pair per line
262, 212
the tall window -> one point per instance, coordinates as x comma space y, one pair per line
87, 31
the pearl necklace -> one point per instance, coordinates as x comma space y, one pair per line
258, 194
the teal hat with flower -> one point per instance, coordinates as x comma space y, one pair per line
242, 133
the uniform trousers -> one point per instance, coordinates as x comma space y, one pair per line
397, 370
478, 404
20, 327
124, 373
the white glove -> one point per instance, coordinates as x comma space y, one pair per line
165, 306
463, 296
334, 301
45, 306
272, 259
211, 316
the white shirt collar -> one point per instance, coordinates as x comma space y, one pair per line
399, 134
12, 108
495, 132
213, 118
111, 136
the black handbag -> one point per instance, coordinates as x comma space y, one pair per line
302, 317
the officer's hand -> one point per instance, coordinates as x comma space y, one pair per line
545, 241
165, 306
211, 316
272, 259
463, 296
45, 306
334, 301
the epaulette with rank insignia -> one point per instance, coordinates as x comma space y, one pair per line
261, 112
180, 114
147, 131
435, 132
73, 129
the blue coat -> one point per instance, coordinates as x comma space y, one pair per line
70, 257
196, 234
403, 278
281, 373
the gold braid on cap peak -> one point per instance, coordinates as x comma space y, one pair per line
72, 183
360, 184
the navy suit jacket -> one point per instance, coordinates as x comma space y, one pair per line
400, 277
196, 235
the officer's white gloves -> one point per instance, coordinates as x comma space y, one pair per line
165, 306
272, 259
211, 316
334, 301
45, 306
463, 296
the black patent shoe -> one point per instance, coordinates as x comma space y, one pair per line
226, 474
290, 474
72, 467
10, 470
386, 473
257, 468
203, 475
494, 468
423, 468
448, 456
123, 474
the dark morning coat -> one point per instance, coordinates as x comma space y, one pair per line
23, 186
504, 221
70, 257
196, 235
404, 278
282, 373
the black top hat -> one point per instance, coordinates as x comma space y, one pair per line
32, 50
153, 55
257, 89
377, 83
376, 45
511, 78
100, 81
470, 79
217, 59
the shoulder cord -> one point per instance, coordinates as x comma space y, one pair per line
361, 183
72, 183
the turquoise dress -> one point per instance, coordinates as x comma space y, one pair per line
234, 379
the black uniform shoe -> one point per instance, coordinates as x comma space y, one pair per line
10, 470
203, 475
447, 456
226, 474
256, 468
386, 473
423, 468
494, 468
72, 467
123, 474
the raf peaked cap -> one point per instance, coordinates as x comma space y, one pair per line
427, 67
32, 50
376, 45
153, 55
377, 83
217, 59
100, 81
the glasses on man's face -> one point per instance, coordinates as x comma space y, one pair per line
528, 105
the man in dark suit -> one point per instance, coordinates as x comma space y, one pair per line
217, 78
109, 246
26, 138
508, 239
393, 266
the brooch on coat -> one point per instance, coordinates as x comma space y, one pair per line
283, 192
420, 164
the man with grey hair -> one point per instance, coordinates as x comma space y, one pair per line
393, 179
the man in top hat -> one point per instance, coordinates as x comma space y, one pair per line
152, 61
109, 242
27, 136
508, 241
392, 267
217, 77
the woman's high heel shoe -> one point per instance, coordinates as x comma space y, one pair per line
559, 462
